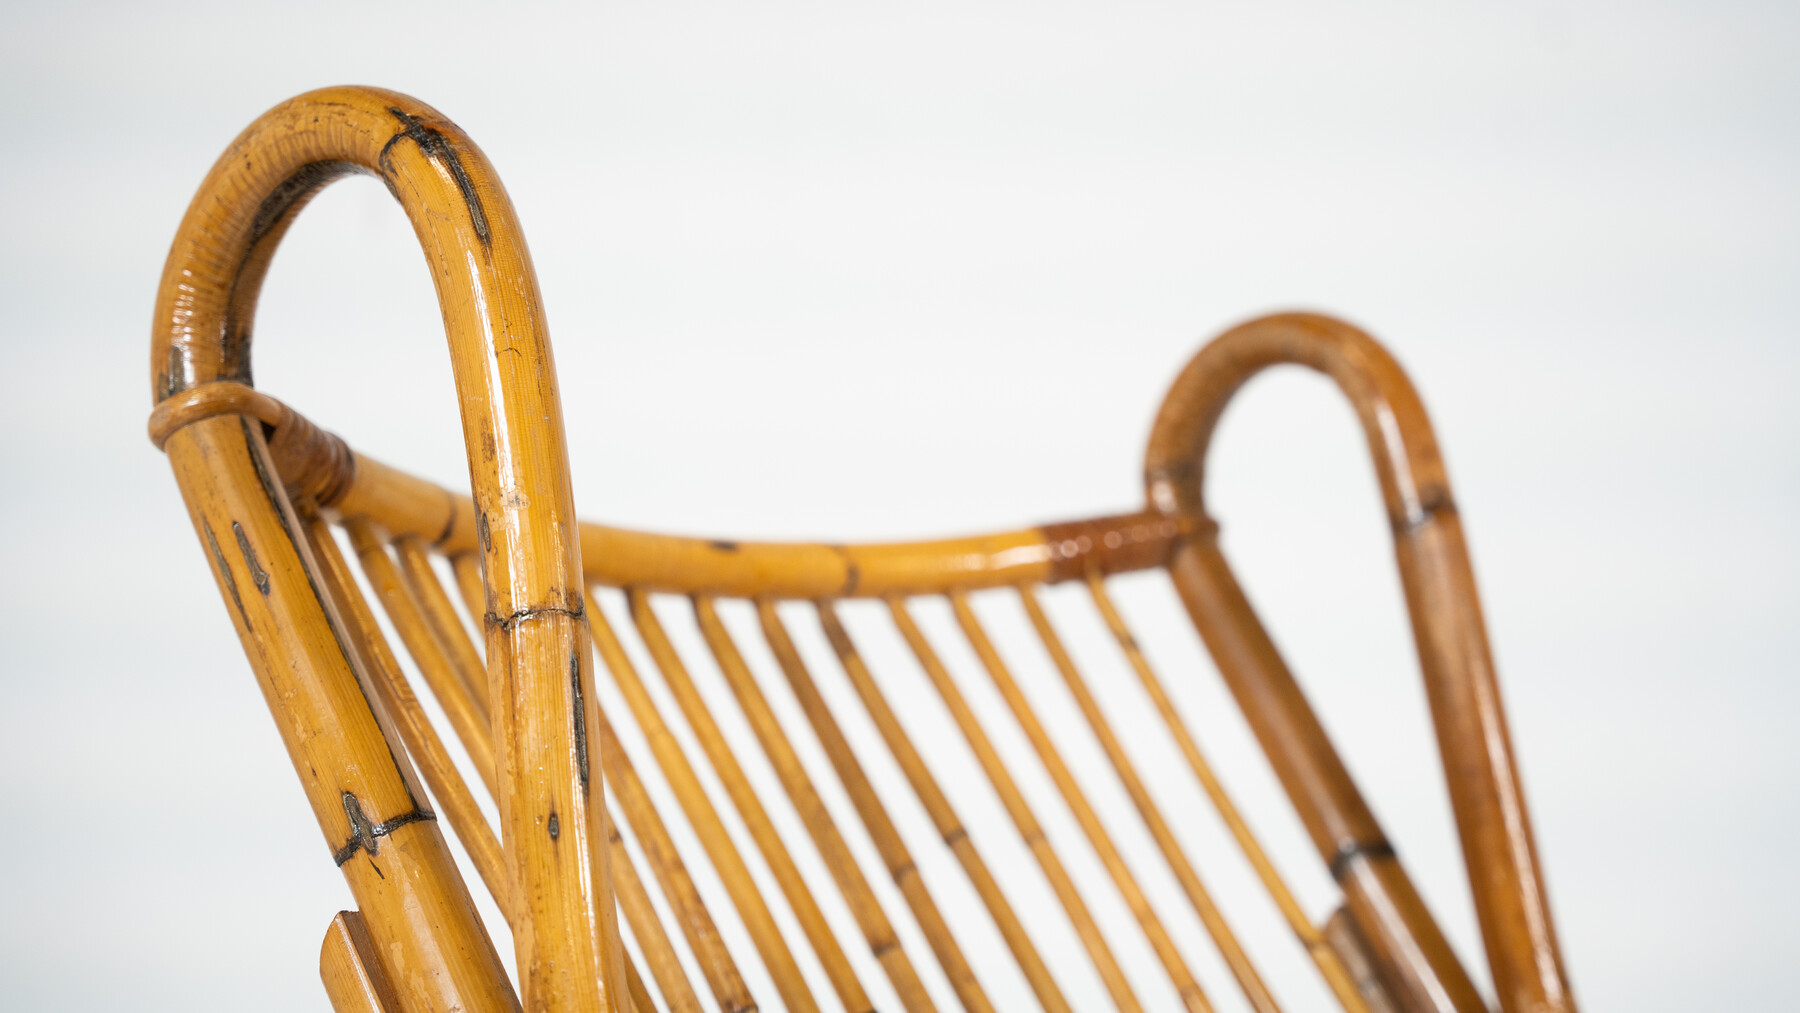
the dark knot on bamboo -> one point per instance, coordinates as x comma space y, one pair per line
313, 464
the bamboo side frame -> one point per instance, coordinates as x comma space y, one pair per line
1462, 689
567, 942
364, 794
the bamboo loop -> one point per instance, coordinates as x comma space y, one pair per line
1098, 950
750, 808
1331, 967
873, 813
707, 826
567, 943
877, 931
1449, 631
1192, 995
471, 724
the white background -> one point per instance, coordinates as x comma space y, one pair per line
855, 271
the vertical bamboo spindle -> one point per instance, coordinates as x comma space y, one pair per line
877, 931
1330, 965
440, 615
943, 817
653, 939
1192, 996
1023, 818
745, 896
750, 808
873, 813
453, 796
696, 923
466, 716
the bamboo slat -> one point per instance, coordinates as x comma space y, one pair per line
943, 816
691, 915
1337, 977
874, 815
1099, 951
726, 861
634, 987
441, 617
877, 931
750, 808
414, 726
472, 725
1192, 995
646, 925
351, 969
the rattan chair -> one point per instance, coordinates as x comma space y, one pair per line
275, 501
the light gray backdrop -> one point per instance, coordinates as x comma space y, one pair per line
898, 270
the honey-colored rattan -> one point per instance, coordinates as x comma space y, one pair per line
658, 881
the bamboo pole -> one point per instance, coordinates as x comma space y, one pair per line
1099, 951
691, 915
1331, 967
441, 617
365, 796
943, 816
874, 815
877, 931
745, 896
351, 968
421, 739
750, 808
1192, 995
470, 722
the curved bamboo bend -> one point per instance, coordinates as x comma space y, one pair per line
420, 920
1453, 650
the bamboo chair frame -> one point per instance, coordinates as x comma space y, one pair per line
266, 488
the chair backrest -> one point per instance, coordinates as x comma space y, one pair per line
731, 862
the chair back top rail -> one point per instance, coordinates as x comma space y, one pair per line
316, 464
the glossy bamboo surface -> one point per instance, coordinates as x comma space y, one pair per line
494, 601
1451, 635
567, 942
